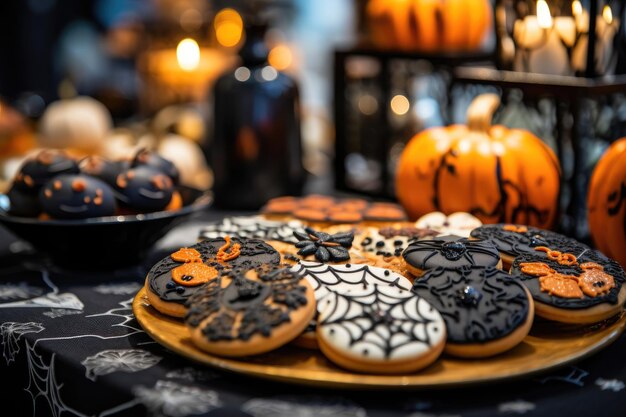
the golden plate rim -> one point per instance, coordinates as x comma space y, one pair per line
155, 325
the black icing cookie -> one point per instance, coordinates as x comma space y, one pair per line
241, 314
478, 304
252, 253
35, 172
588, 286
77, 197
515, 240
152, 159
450, 252
326, 247
144, 188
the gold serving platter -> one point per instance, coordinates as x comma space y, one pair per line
549, 345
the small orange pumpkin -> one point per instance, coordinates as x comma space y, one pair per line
606, 202
429, 25
499, 175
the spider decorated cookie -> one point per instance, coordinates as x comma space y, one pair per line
486, 311
514, 239
380, 329
326, 279
241, 314
174, 279
449, 252
253, 227
581, 286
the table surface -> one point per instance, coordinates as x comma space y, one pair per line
71, 347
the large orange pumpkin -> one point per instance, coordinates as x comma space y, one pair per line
495, 173
429, 25
606, 202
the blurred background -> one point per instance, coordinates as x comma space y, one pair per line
111, 76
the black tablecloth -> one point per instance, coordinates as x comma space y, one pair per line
71, 346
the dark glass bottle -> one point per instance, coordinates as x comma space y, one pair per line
256, 152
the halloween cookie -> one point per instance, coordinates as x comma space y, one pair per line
240, 315
101, 168
513, 239
320, 210
458, 224
385, 245
254, 227
380, 329
77, 197
326, 279
449, 252
174, 279
581, 286
486, 311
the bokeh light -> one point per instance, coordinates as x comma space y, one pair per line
228, 26
188, 54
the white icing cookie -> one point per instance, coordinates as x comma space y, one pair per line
380, 329
326, 279
388, 242
253, 227
458, 224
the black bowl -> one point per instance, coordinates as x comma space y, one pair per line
101, 242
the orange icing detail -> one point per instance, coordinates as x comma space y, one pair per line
97, 201
57, 185
28, 180
79, 186
45, 157
87, 200
594, 281
224, 256
564, 286
192, 274
48, 193
130, 175
186, 255
515, 228
161, 182
536, 269
560, 258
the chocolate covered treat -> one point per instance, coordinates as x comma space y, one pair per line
77, 197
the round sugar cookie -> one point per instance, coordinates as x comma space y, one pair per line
449, 252
486, 311
175, 278
458, 224
253, 227
246, 314
380, 329
515, 239
579, 286
326, 279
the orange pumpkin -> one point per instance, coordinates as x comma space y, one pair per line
499, 175
429, 25
606, 202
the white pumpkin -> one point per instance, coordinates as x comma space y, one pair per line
79, 123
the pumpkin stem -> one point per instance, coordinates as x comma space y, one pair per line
480, 112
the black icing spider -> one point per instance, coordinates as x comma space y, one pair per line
326, 247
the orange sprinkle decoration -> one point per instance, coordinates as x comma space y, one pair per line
186, 255
192, 274
28, 180
57, 185
594, 281
514, 228
79, 186
224, 256
560, 258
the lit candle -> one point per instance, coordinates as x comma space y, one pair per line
188, 54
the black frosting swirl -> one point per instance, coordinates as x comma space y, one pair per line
245, 306
583, 255
478, 304
253, 253
516, 243
450, 252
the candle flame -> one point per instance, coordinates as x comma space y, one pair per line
577, 8
607, 14
544, 18
188, 54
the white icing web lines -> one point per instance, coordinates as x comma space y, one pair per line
379, 320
